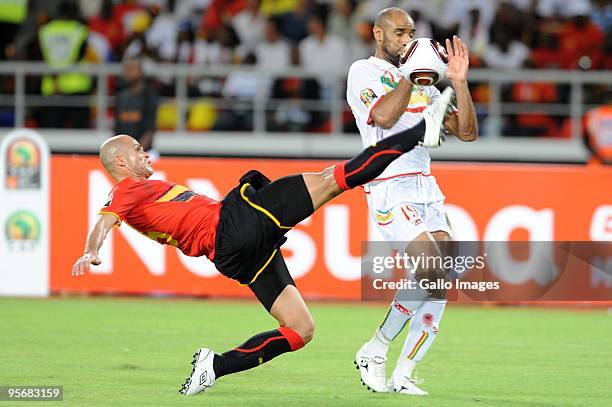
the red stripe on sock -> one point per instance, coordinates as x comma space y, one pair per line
340, 177
369, 160
264, 343
295, 340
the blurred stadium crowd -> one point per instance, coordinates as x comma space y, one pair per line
318, 36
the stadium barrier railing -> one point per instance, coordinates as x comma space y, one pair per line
260, 140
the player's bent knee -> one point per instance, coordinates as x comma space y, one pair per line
308, 332
304, 327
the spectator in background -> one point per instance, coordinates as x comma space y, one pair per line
422, 27
457, 12
125, 11
161, 37
12, 14
249, 25
562, 8
25, 45
184, 43
324, 55
341, 21
581, 43
545, 54
602, 15
322, 52
210, 50
220, 12
228, 40
136, 44
294, 24
63, 43
504, 52
533, 123
107, 32
475, 32
89, 8
136, 106
206, 51
273, 54
363, 45
241, 87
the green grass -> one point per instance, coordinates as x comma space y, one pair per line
137, 352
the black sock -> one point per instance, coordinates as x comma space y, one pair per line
372, 161
257, 350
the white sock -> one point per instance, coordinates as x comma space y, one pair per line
378, 345
402, 308
422, 333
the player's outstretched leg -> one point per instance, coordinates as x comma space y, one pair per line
296, 329
373, 160
288, 198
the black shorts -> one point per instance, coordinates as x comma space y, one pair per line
254, 218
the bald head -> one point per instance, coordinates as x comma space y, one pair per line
388, 15
122, 156
113, 147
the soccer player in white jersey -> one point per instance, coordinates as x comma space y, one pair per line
405, 199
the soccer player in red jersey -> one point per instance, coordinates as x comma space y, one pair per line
242, 233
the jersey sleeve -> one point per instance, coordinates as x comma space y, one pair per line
123, 199
364, 90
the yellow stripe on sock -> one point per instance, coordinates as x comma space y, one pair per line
418, 345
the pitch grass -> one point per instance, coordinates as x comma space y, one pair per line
136, 352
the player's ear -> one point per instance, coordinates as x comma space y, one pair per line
378, 33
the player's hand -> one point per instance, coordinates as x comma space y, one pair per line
458, 60
83, 264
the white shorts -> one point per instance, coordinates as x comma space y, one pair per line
405, 221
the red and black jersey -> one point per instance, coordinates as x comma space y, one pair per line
167, 213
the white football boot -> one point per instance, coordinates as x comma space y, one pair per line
434, 118
372, 370
202, 375
403, 382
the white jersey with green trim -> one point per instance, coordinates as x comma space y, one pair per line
407, 179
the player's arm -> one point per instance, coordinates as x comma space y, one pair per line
463, 124
392, 106
96, 237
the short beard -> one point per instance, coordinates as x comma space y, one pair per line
393, 58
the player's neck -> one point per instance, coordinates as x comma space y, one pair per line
121, 177
380, 55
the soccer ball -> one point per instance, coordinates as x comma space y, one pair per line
424, 62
